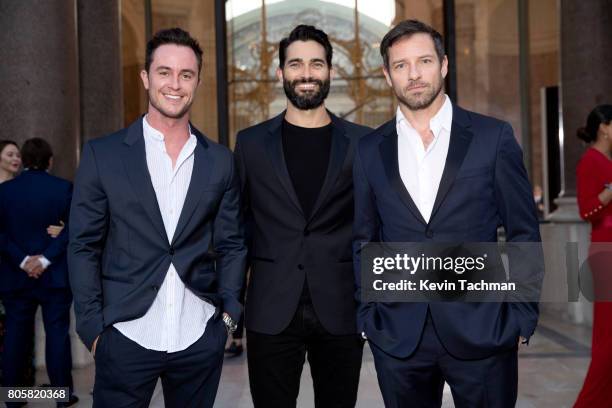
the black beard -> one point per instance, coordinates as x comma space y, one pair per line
422, 104
309, 100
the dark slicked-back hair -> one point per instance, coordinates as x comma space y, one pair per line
305, 33
175, 36
405, 29
601, 114
36, 153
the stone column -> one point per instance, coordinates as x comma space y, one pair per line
586, 29
586, 58
101, 83
39, 76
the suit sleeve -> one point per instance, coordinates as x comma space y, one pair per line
59, 245
516, 208
89, 216
228, 241
365, 229
10, 251
244, 195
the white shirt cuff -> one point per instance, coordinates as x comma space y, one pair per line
44, 262
22, 264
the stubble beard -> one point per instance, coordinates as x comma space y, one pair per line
423, 101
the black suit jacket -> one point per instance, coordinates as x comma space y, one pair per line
119, 253
285, 246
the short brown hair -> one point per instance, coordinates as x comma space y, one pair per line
408, 28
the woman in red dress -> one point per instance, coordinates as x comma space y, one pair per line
594, 178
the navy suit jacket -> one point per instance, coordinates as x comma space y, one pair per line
119, 253
484, 185
29, 203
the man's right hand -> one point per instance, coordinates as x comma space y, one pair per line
93, 348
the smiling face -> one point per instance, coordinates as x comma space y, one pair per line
415, 72
171, 81
305, 75
10, 159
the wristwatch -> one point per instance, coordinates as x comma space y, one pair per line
230, 324
608, 186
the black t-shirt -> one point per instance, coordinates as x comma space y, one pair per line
307, 156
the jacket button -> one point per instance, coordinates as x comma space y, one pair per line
429, 234
171, 251
301, 267
155, 288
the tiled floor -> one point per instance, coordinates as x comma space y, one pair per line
551, 371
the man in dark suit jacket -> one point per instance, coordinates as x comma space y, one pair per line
469, 177
33, 270
297, 189
157, 254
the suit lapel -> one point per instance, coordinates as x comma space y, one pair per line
460, 139
274, 147
203, 164
135, 162
339, 147
388, 151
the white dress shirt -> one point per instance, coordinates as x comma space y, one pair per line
421, 169
177, 318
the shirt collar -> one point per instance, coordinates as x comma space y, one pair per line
443, 119
153, 134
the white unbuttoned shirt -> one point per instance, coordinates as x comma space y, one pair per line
177, 318
421, 169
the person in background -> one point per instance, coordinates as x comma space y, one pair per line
10, 163
33, 270
594, 190
538, 198
10, 160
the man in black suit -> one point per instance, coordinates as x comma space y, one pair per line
295, 171
157, 253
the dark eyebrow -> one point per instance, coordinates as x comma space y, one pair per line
318, 60
162, 67
295, 60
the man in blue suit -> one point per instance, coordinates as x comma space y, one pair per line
157, 254
438, 173
33, 270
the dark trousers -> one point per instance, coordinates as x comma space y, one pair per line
276, 361
418, 381
20, 307
126, 373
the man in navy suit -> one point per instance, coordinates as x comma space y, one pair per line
33, 270
438, 173
157, 253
